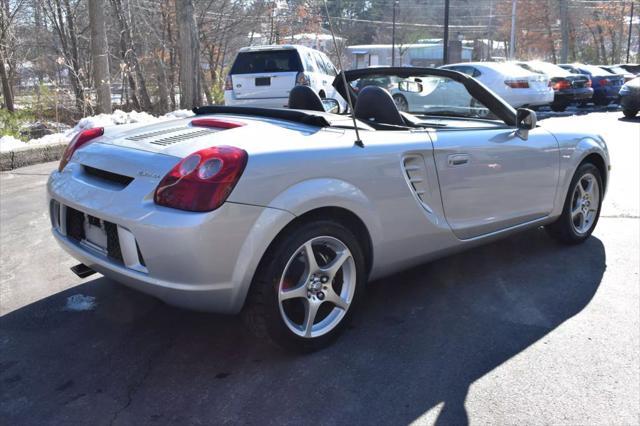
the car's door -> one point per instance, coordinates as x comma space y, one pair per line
492, 179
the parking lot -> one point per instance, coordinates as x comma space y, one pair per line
521, 331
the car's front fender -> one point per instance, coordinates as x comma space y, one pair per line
573, 151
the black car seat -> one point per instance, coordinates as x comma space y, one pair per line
303, 97
376, 105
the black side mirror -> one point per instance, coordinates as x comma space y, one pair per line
526, 119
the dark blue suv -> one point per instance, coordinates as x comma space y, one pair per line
606, 86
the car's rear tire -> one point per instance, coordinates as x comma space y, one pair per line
630, 113
302, 305
581, 208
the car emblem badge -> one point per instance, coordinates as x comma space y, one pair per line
143, 173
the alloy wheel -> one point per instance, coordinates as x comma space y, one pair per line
317, 287
585, 203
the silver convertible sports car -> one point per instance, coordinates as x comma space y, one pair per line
285, 214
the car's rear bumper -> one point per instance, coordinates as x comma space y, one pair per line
200, 261
573, 95
231, 100
523, 97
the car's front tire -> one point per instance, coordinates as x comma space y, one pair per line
629, 113
581, 208
307, 287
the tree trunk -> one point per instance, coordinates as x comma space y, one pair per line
100, 56
139, 92
189, 55
7, 92
74, 57
163, 92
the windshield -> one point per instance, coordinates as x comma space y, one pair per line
618, 70
596, 71
547, 68
427, 95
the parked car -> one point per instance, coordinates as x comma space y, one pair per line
606, 86
512, 83
618, 70
630, 98
288, 213
263, 76
568, 88
632, 68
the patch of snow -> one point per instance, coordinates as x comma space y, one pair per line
9, 143
80, 302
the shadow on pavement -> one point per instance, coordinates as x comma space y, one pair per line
422, 338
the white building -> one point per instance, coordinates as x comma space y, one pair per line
417, 55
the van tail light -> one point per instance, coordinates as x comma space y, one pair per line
228, 83
303, 79
79, 140
561, 85
604, 82
517, 84
202, 181
588, 83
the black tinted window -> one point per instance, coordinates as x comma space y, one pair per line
267, 61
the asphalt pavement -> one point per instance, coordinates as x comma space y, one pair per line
520, 331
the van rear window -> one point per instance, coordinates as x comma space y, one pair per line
267, 61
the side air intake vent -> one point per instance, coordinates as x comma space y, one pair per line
415, 173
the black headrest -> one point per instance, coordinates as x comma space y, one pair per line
376, 105
303, 97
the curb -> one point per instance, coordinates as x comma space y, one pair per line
27, 156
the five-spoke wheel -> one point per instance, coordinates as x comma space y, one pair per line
305, 289
582, 206
317, 286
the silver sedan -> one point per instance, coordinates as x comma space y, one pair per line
285, 214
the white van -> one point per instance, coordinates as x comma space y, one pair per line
263, 76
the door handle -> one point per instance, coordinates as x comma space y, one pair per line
458, 160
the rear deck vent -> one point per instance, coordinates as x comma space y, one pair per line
189, 134
150, 135
108, 176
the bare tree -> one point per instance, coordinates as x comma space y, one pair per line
100, 56
189, 54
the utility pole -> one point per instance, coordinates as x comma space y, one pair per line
630, 30
393, 35
445, 39
512, 41
489, 32
564, 27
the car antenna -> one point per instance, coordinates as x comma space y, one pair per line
344, 78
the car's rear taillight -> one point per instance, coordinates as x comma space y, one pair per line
517, 84
561, 85
587, 83
303, 79
202, 181
604, 82
81, 139
228, 83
